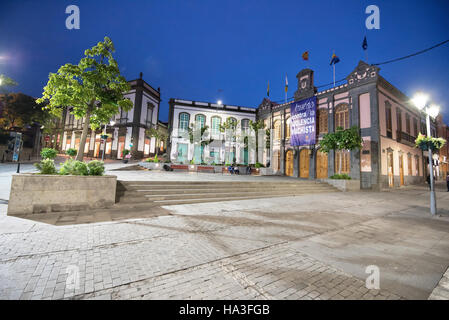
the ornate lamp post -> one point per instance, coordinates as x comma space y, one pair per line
420, 100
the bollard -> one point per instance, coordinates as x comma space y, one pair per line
18, 167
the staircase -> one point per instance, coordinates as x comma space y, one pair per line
134, 194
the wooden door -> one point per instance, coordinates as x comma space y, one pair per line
401, 169
321, 165
390, 169
304, 163
289, 163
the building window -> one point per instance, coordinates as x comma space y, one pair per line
184, 119
287, 124
399, 120
417, 165
200, 120
345, 163
277, 130
123, 116
388, 119
407, 123
342, 116
322, 121
245, 125
415, 127
149, 117
215, 125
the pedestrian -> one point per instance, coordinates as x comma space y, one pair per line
248, 169
447, 181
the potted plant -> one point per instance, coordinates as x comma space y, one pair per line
126, 155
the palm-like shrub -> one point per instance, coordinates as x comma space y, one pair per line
48, 153
96, 168
46, 166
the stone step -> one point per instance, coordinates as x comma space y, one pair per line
177, 183
215, 186
192, 201
229, 194
242, 189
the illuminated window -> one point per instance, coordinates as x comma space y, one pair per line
184, 119
342, 116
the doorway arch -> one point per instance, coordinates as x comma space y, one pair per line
304, 163
289, 163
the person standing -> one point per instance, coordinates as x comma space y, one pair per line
447, 181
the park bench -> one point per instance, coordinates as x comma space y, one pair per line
205, 169
180, 167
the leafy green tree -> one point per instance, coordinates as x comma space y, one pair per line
256, 126
93, 88
203, 142
341, 139
20, 110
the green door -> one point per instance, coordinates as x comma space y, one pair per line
182, 152
198, 154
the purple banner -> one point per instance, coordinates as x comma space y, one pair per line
303, 122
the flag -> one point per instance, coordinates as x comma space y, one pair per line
365, 44
286, 83
334, 59
268, 89
305, 55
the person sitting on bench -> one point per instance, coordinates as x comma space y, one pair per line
231, 169
235, 169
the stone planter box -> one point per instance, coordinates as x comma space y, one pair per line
343, 185
153, 165
38, 193
265, 171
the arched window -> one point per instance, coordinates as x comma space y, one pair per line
277, 130
342, 116
287, 124
200, 120
245, 125
322, 121
184, 119
215, 125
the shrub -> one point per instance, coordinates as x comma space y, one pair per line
74, 167
342, 176
46, 166
258, 165
71, 152
155, 159
96, 168
125, 152
48, 153
149, 160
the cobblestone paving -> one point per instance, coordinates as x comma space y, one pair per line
252, 249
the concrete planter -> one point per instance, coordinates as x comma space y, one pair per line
343, 185
38, 193
265, 171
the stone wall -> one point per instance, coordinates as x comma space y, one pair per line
36, 193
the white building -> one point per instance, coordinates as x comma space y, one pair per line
184, 114
129, 130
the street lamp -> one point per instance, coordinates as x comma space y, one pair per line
112, 123
420, 101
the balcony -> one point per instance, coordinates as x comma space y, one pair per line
405, 138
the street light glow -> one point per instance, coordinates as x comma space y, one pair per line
433, 110
219, 102
420, 100
112, 123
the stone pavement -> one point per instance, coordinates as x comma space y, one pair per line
305, 247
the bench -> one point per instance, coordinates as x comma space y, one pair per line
180, 167
205, 169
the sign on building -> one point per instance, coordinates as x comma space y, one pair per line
303, 122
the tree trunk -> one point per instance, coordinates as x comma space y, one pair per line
80, 154
257, 147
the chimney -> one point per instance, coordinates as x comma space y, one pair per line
141, 74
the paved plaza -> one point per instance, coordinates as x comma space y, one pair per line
314, 246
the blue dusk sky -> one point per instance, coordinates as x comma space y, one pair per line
210, 50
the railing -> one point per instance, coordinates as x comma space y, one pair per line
405, 138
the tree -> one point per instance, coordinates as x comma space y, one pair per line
256, 126
6, 82
20, 110
158, 134
93, 89
341, 139
228, 127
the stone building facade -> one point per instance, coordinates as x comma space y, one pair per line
388, 124
183, 114
128, 132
